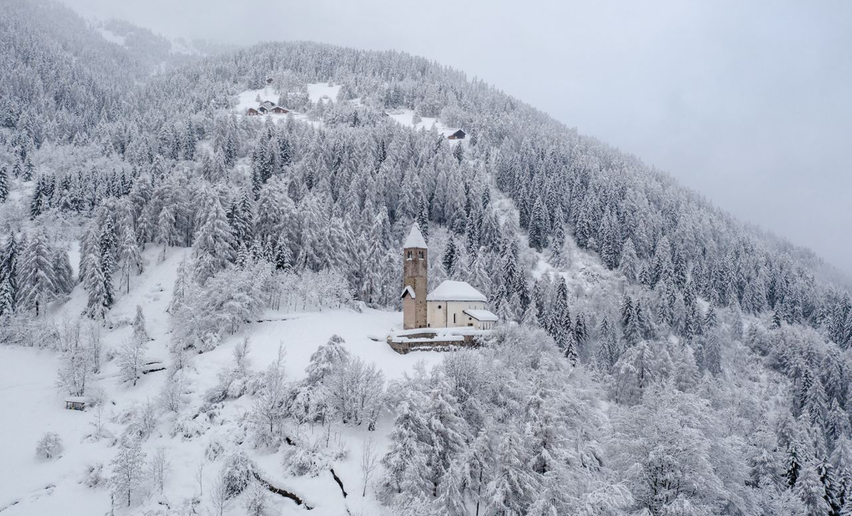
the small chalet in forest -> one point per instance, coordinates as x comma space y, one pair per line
265, 108
458, 135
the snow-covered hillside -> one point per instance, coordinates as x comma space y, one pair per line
32, 486
218, 286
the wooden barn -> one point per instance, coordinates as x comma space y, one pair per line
252, 112
458, 135
278, 110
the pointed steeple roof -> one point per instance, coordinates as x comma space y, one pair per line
415, 239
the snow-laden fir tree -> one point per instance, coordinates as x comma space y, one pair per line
213, 246
4, 183
37, 271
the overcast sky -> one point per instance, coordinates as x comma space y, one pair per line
747, 102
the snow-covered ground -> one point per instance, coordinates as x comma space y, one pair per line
406, 118
33, 406
321, 90
111, 36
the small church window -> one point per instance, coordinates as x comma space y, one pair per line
439, 307
420, 254
409, 255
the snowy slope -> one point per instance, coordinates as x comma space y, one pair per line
324, 91
406, 117
111, 36
30, 486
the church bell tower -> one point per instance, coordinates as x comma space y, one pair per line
416, 268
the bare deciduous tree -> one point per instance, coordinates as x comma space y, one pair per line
160, 467
219, 495
369, 461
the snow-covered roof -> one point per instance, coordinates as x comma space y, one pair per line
409, 290
415, 238
482, 315
455, 291
76, 399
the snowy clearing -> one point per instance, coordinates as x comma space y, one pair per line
406, 118
32, 486
321, 90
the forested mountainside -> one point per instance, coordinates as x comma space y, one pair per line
656, 356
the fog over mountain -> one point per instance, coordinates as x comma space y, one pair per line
747, 103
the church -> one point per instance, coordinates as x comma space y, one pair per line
452, 304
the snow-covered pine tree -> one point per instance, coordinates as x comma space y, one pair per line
9, 276
38, 283
213, 246
129, 258
561, 326
629, 262
139, 331
98, 285
449, 258
539, 226
4, 183
810, 489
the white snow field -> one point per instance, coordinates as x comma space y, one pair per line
406, 118
32, 405
322, 90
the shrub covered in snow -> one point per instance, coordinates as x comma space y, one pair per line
237, 473
93, 475
309, 459
49, 446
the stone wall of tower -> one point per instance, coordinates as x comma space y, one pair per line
415, 275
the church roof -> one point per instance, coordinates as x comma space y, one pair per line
482, 315
415, 239
455, 291
408, 290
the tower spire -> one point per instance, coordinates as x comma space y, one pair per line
414, 281
415, 239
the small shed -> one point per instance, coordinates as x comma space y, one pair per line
458, 135
481, 319
262, 110
252, 112
278, 110
76, 402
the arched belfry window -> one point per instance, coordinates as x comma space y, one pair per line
420, 254
409, 255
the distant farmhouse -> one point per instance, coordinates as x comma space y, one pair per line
458, 135
267, 108
451, 315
